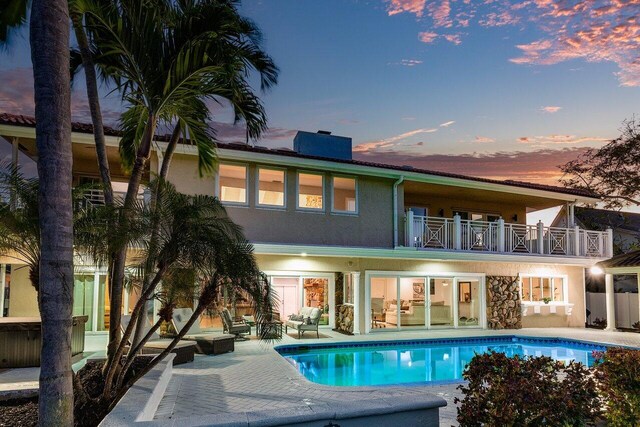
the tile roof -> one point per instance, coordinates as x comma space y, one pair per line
28, 121
631, 259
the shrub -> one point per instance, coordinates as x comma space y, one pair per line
526, 391
618, 375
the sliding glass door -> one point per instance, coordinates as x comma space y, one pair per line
433, 302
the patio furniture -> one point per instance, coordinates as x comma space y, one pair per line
217, 345
20, 340
378, 315
184, 350
270, 329
306, 320
237, 328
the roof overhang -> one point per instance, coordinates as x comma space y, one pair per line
281, 160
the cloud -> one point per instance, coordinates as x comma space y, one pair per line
539, 166
560, 139
408, 118
447, 124
389, 143
427, 37
484, 139
550, 109
411, 6
453, 38
593, 30
407, 62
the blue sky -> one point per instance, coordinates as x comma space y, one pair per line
493, 88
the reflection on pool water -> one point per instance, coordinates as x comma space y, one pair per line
403, 362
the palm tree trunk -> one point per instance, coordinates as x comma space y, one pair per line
157, 196
49, 36
119, 262
94, 107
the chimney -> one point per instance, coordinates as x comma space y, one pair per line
322, 144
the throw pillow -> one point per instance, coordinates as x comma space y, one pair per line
307, 320
296, 317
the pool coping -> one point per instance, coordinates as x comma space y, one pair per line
289, 348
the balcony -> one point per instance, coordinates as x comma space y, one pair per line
456, 234
95, 197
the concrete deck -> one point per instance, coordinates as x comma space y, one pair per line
255, 377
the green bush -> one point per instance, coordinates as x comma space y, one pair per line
618, 375
526, 391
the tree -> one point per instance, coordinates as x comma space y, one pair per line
49, 39
168, 59
612, 171
198, 247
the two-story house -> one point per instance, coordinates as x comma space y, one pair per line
377, 247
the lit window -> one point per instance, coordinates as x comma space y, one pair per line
270, 187
310, 191
344, 194
541, 289
232, 184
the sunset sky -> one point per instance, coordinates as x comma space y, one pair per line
495, 88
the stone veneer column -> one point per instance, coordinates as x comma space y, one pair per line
503, 303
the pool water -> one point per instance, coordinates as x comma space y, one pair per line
427, 361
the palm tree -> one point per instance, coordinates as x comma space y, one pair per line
49, 39
195, 240
168, 58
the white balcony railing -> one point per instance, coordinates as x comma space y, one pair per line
95, 197
456, 234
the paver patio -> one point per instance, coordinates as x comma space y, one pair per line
255, 377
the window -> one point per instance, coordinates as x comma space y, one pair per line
310, 191
344, 194
539, 289
271, 187
232, 184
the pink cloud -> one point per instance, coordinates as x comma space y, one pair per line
411, 6
453, 38
555, 139
447, 124
427, 37
484, 139
539, 166
390, 143
591, 30
550, 109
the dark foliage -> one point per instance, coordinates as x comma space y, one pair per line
517, 391
618, 375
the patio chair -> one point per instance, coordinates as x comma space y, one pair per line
184, 350
207, 340
237, 328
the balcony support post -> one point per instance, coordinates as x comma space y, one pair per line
576, 240
457, 232
411, 238
540, 238
501, 235
609, 252
610, 295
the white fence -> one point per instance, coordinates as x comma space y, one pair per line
424, 232
627, 308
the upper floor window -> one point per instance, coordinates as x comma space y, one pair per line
543, 289
271, 187
344, 194
310, 191
232, 184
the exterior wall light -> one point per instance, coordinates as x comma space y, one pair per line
596, 270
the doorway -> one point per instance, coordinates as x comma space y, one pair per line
296, 290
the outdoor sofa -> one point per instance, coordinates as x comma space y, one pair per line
307, 319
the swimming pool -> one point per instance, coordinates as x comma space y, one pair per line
422, 361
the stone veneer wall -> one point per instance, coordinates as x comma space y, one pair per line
503, 303
344, 318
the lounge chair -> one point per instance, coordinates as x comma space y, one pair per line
184, 350
237, 328
208, 342
306, 320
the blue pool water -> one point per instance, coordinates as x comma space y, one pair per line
425, 361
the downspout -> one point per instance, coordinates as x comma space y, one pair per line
395, 211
